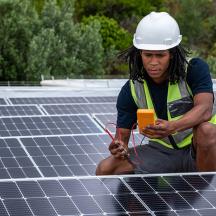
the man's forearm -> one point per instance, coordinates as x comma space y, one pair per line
192, 118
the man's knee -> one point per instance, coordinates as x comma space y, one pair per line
104, 167
205, 135
113, 166
205, 143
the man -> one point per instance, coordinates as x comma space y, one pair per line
183, 138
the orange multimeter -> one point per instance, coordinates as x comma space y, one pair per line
145, 117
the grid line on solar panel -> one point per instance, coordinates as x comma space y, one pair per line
47, 100
15, 162
47, 125
114, 195
19, 110
79, 108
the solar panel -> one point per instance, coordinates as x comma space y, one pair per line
15, 162
60, 100
114, 195
48, 161
66, 155
108, 120
79, 108
19, 111
101, 99
47, 100
47, 125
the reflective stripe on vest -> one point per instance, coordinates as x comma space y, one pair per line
179, 101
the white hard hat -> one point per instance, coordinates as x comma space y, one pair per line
157, 31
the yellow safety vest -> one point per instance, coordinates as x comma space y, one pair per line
179, 101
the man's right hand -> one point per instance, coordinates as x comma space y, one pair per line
118, 150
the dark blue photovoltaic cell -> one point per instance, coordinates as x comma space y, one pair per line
211, 179
3, 211
131, 203
116, 186
109, 204
195, 200
159, 184
207, 212
178, 183
165, 213
41, 206
188, 213
64, 206
154, 202
198, 182
52, 188
95, 186
175, 201
138, 185
17, 207
87, 205
2, 101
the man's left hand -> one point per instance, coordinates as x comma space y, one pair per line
161, 129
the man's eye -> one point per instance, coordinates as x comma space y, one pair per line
160, 55
147, 54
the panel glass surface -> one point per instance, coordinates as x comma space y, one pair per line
123, 195
19, 111
47, 125
47, 100
47, 167
15, 162
101, 99
79, 108
67, 155
2, 101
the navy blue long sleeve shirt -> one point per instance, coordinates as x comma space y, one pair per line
198, 78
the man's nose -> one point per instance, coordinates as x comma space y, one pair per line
154, 60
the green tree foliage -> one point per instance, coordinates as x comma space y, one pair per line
197, 20
49, 43
18, 24
54, 38
114, 39
113, 35
211, 59
69, 48
125, 12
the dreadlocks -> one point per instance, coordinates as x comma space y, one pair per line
176, 69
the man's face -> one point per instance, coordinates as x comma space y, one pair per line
156, 64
